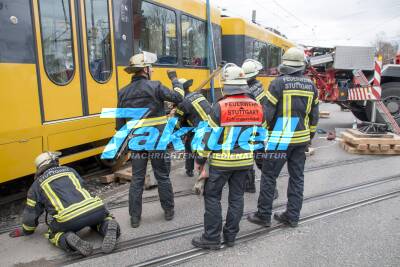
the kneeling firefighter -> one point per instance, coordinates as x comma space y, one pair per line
228, 162
251, 69
58, 191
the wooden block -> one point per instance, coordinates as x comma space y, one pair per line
385, 147
373, 147
353, 149
349, 137
107, 179
397, 148
125, 174
362, 147
357, 133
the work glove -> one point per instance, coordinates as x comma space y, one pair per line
172, 75
187, 84
17, 232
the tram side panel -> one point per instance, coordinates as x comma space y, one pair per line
20, 138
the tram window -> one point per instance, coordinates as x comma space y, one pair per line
57, 40
98, 39
194, 51
155, 31
274, 60
260, 53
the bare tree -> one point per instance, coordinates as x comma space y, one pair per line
387, 48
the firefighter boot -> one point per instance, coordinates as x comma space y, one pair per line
135, 221
111, 236
76, 243
201, 242
283, 218
189, 173
169, 214
256, 219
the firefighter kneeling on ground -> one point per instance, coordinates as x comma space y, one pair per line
58, 190
251, 69
144, 93
231, 164
291, 96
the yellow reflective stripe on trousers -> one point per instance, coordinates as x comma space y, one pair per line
234, 156
56, 239
28, 228
179, 112
227, 163
80, 211
271, 98
78, 186
30, 202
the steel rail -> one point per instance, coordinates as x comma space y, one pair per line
175, 233
184, 256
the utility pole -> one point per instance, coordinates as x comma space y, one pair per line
210, 50
254, 16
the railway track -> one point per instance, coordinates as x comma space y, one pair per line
176, 233
115, 204
187, 255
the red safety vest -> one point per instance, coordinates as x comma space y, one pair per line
238, 110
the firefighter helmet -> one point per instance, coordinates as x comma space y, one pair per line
251, 68
140, 61
233, 75
293, 57
46, 158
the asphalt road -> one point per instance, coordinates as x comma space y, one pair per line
367, 236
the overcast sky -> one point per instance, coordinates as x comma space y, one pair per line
321, 22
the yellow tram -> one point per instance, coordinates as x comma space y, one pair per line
62, 61
242, 39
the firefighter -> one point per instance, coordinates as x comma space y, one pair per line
193, 109
228, 165
58, 191
291, 97
251, 69
144, 93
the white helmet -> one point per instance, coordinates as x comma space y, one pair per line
251, 68
140, 61
233, 75
46, 158
293, 57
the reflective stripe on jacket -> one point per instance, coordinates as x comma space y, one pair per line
59, 191
289, 97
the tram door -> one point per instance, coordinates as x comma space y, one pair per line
75, 57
